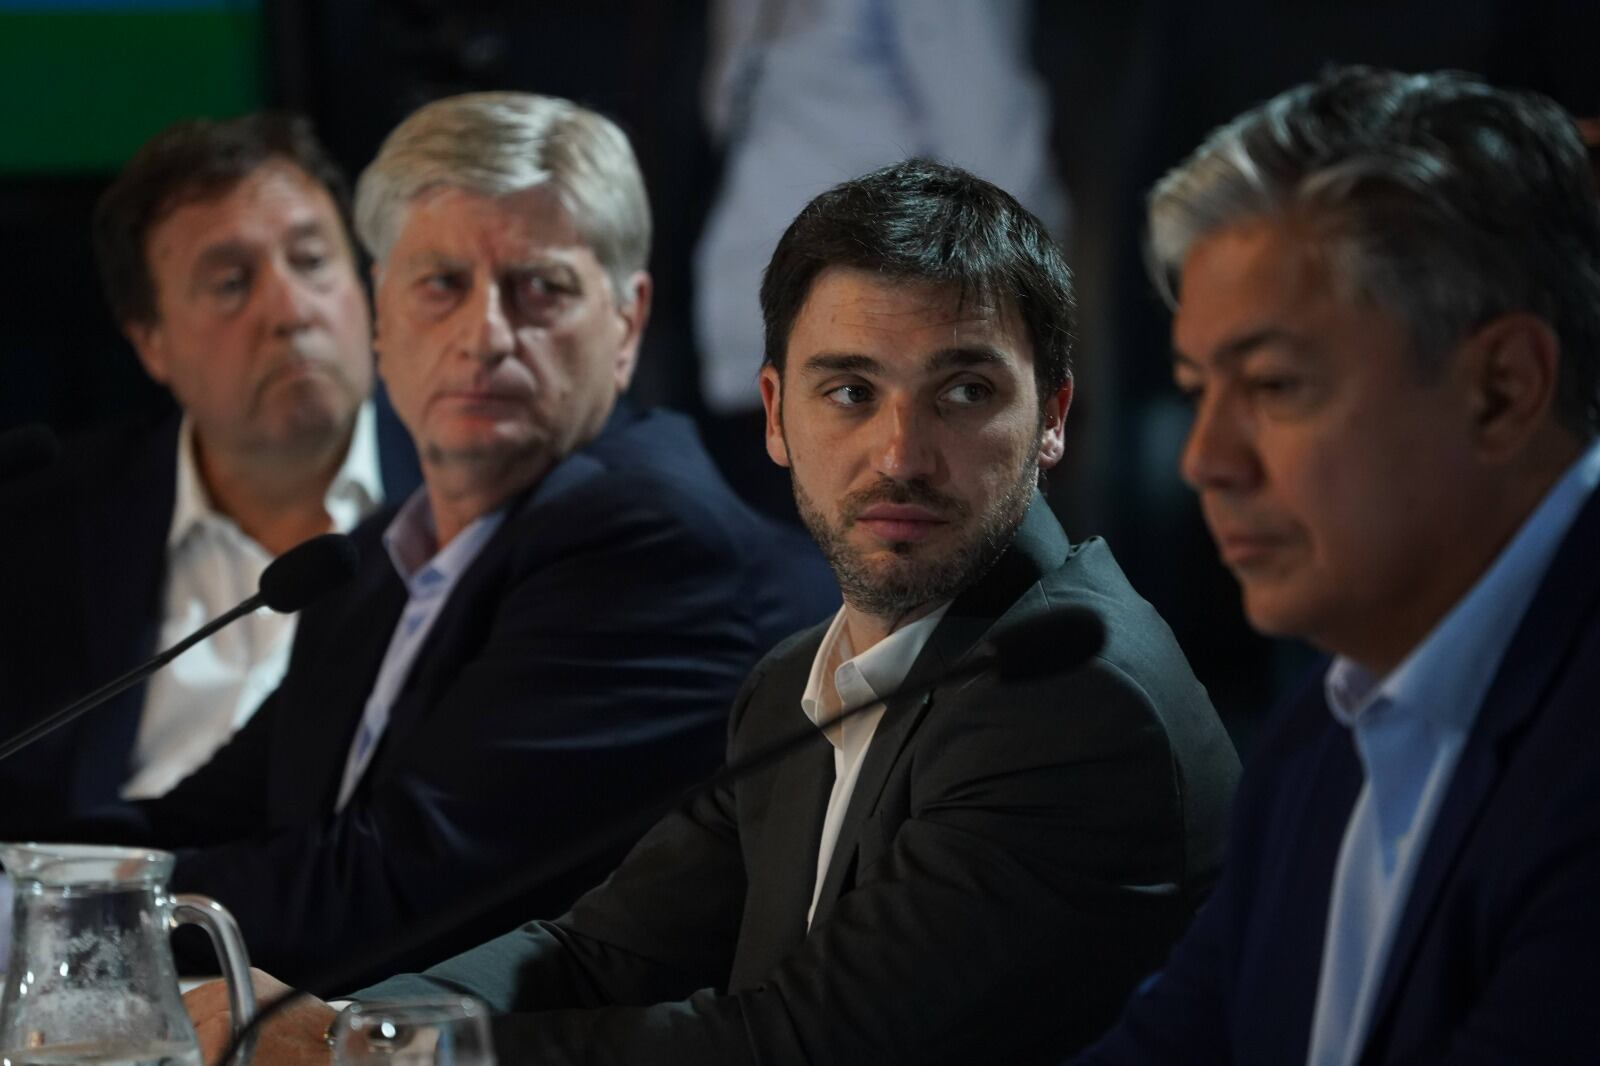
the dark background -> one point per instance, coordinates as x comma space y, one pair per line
1134, 85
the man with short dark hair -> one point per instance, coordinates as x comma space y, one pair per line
973, 869
1387, 296
226, 260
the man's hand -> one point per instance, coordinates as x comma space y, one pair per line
291, 1038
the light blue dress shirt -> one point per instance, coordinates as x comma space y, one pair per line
429, 574
1409, 729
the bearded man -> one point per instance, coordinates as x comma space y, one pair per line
972, 869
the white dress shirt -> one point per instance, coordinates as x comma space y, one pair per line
840, 680
194, 705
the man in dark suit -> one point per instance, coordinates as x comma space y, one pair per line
226, 258
550, 629
973, 869
1388, 316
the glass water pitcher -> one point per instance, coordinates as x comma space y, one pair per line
91, 977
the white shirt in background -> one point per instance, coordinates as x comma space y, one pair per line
805, 94
194, 705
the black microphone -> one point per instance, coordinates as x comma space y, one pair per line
289, 582
1054, 643
26, 449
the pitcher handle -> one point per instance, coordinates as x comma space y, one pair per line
219, 925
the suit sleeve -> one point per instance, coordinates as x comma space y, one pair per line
600, 681
1006, 917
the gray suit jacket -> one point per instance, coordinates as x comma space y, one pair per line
1015, 857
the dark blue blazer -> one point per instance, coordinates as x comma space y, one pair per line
83, 573
1497, 956
584, 663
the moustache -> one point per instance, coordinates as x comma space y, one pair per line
916, 492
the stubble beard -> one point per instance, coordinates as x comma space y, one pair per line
913, 579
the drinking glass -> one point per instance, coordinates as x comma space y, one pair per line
436, 1031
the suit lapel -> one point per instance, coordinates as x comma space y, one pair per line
1535, 657
328, 702
467, 616
1038, 547
781, 861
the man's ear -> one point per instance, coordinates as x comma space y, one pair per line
772, 401
1513, 365
633, 312
1052, 432
376, 273
149, 342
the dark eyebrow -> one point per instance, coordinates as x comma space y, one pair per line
957, 358
1239, 347
839, 362
944, 359
314, 228
219, 255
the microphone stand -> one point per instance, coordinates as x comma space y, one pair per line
50, 723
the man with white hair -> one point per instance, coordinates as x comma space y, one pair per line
546, 633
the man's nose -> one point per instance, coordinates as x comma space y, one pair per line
490, 337
289, 299
1219, 453
907, 448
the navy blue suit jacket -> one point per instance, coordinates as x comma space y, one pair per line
83, 549
1495, 959
584, 662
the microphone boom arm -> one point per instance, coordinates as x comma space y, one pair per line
49, 724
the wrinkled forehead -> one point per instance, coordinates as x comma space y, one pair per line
273, 204
530, 223
274, 183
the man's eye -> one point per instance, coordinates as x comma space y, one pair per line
229, 284
968, 393
1273, 386
1190, 392
849, 395
535, 291
308, 262
441, 285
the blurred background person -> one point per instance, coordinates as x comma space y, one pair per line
225, 256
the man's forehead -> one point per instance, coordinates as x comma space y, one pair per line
529, 224
846, 297
1247, 281
277, 194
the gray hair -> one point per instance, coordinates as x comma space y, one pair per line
1438, 198
504, 142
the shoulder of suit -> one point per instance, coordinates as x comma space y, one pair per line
653, 464
788, 664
